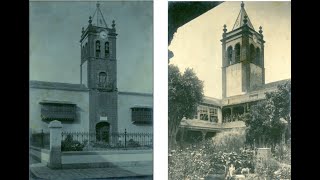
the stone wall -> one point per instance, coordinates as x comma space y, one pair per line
80, 98
125, 102
234, 80
255, 76
103, 106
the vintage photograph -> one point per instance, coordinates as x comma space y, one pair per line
91, 90
229, 90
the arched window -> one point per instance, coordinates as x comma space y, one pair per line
82, 51
237, 53
252, 54
106, 49
86, 50
229, 51
258, 61
103, 79
97, 48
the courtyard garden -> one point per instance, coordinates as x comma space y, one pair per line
212, 159
230, 154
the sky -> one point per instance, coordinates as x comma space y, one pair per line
55, 31
197, 44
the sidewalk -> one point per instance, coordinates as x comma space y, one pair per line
41, 171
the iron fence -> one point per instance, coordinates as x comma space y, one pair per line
93, 141
40, 139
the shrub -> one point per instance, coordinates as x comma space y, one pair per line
71, 145
252, 177
284, 172
220, 160
199, 160
266, 167
192, 162
282, 153
100, 144
132, 143
230, 141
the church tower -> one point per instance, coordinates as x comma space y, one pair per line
98, 71
242, 57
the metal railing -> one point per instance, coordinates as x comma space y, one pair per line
40, 139
93, 141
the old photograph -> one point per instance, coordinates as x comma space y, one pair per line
91, 90
229, 90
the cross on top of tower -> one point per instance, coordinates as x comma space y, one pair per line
97, 18
242, 19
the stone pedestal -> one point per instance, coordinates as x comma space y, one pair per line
55, 145
264, 153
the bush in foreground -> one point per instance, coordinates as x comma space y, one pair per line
71, 145
192, 162
230, 141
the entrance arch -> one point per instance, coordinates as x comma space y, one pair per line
102, 132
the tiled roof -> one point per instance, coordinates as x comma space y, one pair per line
135, 93
211, 100
57, 85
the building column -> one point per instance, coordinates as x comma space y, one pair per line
204, 133
55, 145
219, 111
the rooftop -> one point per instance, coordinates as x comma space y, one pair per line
57, 85
211, 100
56, 102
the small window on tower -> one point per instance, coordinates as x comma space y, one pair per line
82, 51
86, 50
237, 53
229, 55
103, 79
97, 48
258, 62
252, 54
106, 50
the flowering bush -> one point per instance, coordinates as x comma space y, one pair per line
71, 145
252, 177
221, 160
282, 153
230, 141
190, 163
284, 172
199, 160
132, 143
266, 167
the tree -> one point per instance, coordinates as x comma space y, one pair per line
267, 120
282, 100
185, 93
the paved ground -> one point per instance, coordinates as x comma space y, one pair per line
39, 171
43, 172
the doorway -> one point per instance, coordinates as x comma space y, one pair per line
102, 132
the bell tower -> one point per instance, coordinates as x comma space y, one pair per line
242, 57
98, 69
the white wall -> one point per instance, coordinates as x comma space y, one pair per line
80, 98
255, 76
234, 80
127, 101
84, 73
